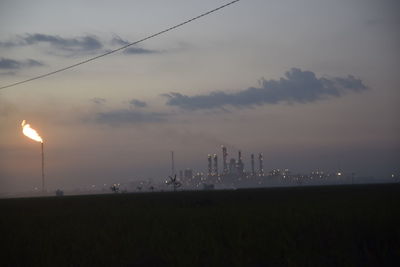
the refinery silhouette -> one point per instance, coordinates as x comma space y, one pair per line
233, 174
230, 174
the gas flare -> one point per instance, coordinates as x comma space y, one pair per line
31, 133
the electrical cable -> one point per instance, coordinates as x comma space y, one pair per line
120, 48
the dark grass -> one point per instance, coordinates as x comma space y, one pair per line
308, 226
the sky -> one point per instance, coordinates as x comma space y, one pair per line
311, 84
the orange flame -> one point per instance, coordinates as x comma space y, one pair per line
31, 133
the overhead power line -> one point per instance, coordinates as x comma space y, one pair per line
121, 48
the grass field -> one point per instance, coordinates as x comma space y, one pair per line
308, 226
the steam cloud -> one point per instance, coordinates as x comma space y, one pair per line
296, 87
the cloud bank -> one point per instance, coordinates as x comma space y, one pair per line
78, 44
98, 100
118, 117
139, 50
133, 49
296, 87
137, 103
81, 44
11, 64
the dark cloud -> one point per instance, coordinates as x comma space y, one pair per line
8, 44
116, 40
11, 64
138, 103
296, 87
131, 50
98, 100
138, 50
33, 63
117, 117
80, 44
83, 43
77, 44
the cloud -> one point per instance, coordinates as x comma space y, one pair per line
116, 40
11, 64
8, 73
137, 103
81, 44
98, 100
77, 44
117, 117
133, 49
296, 87
138, 50
33, 63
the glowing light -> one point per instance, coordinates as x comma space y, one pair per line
31, 133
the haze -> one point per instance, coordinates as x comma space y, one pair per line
311, 84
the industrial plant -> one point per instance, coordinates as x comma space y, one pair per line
233, 173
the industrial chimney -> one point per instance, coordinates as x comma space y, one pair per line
209, 165
253, 172
215, 165
261, 168
224, 160
240, 165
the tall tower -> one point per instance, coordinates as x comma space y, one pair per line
215, 165
240, 166
172, 164
253, 172
232, 166
261, 169
209, 165
224, 160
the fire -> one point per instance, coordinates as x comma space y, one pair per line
31, 133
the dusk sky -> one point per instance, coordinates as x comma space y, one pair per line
311, 84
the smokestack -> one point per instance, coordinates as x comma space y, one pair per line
215, 165
261, 169
209, 165
172, 164
32, 134
232, 166
253, 173
224, 160
240, 166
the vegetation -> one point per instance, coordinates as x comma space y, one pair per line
174, 182
313, 226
